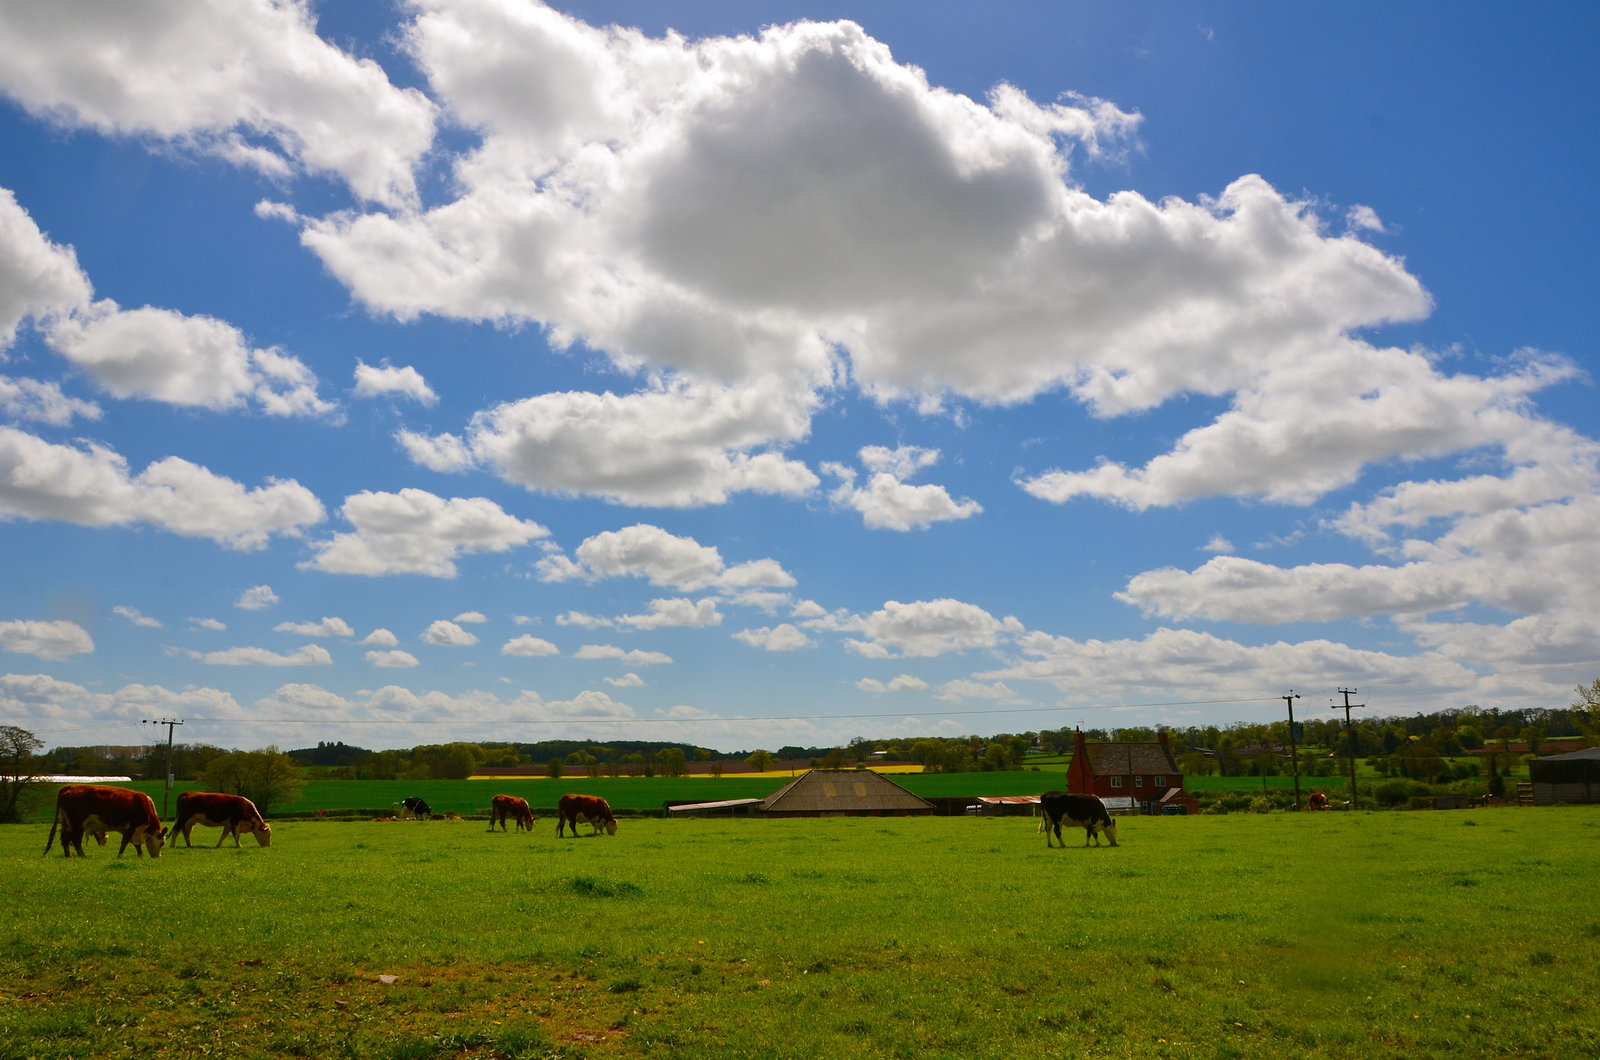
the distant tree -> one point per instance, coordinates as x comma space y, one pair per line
760, 760
1589, 703
555, 769
19, 791
1533, 736
266, 777
1196, 764
1469, 736
1504, 733
671, 761
834, 759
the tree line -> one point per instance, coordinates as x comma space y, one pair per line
1419, 747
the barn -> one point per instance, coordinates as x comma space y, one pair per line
1572, 777
844, 793
1136, 774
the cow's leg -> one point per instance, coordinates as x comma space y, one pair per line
70, 838
127, 837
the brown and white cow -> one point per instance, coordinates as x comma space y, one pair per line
232, 813
97, 810
591, 809
503, 806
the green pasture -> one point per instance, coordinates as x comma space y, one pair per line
1428, 934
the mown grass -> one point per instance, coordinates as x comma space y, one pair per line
1327, 935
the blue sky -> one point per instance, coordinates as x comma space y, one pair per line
765, 374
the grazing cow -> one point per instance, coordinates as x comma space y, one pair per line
503, 806
233, 813
1318, 801
97, 810
1086, 811
591, 809
415, 807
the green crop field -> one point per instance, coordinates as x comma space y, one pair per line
1427, 934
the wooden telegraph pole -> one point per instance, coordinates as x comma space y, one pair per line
1294, 755
1350, 740
166, 790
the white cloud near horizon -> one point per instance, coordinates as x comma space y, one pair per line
328, 627
310, 655
48, 640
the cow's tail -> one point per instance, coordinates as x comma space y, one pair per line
54, 822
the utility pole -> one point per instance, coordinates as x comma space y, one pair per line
166, 792
1350, 740
1294, 755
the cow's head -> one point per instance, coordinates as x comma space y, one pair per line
611, 826
154, 841
1110, 829
263, 834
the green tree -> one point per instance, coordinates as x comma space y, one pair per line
1533, 736
20, 791
266, 777
671, 760
759, 760
554, 769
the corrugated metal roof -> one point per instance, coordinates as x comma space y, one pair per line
1009, 800
703, 807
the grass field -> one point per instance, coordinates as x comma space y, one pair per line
1329, 935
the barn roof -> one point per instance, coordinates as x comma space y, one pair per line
1120, 759
1573, 756
844, 791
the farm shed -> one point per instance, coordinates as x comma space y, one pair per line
1572, 777
1008, 805
842, 793
719, 808
1144, 772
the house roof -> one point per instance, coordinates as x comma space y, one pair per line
1120, 759
843, 791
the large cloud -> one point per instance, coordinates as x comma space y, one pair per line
48, 640
417, 532
248, 80
888, 502
677, 446
150, 353
38, 278
665, 559
732, 208
1300, 432
91, 486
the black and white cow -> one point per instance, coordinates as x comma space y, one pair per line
415, 807
1085, 811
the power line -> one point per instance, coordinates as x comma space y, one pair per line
734, 718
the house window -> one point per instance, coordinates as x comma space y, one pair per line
1116, 782
1138, 782
1159, 781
